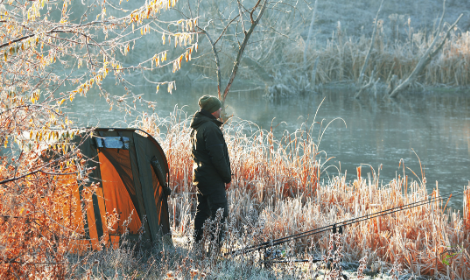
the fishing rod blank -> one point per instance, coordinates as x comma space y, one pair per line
329, 227
354, 220
282, 240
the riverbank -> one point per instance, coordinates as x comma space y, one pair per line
278, 190
341, 61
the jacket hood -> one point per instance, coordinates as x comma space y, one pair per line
202, 117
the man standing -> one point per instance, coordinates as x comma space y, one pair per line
211, 172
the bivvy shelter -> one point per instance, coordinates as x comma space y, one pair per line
132, 171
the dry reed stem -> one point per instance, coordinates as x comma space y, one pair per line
466, 208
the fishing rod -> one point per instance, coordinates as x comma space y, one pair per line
339, 224
333, 227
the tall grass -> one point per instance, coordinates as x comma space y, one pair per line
467, 208
276, 191
342, 58
264, 167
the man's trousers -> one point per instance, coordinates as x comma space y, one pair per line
207, 206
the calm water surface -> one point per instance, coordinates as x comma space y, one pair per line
379, 131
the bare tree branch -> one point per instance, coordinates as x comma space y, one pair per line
242, 47
241, 16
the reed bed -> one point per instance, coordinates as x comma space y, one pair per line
341, 58
276, 191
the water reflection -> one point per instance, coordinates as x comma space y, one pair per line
379, 131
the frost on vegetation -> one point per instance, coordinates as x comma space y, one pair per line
288, 60
273, 197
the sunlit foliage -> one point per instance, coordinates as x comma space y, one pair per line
51, 52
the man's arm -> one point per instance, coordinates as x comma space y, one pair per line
215, 146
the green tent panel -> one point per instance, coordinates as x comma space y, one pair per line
132, 171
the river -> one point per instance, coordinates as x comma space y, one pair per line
378, 131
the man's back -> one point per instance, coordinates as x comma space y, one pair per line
211, 173
209, 151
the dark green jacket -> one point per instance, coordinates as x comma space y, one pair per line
210, 153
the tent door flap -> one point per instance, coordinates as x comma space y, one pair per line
160, 175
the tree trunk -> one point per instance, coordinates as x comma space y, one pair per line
242, 49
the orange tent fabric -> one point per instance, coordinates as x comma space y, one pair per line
131, 181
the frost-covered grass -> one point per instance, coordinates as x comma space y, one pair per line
278, 190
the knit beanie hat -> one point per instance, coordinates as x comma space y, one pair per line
210, 103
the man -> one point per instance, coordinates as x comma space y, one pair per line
211, 173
